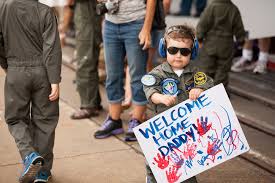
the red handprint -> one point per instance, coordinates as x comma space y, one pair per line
172, 175
203, 128
161, 161
190, 151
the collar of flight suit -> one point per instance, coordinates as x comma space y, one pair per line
167, 68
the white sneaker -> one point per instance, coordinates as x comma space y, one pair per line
242, 65
260, 68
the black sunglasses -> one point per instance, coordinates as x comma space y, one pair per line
183, 51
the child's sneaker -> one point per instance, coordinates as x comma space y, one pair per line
242, 65
42, 176
260, 68
130, 136
109, 128
32, 164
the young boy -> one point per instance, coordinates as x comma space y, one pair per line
220, 21
175, 80
31, 57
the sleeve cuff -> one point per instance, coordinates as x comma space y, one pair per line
3, 63
54, 75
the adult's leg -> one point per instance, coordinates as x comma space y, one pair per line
264, 45
128, 94
88, 37
245, 62
114, 62
200, 5
137, 61
185, 7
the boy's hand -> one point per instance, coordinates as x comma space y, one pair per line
195, 93
55, 92
167, 100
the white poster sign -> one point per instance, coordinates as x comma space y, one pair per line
192, 137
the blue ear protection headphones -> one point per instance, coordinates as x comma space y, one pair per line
177, 28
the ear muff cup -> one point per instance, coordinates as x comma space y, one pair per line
195, 49
162, 48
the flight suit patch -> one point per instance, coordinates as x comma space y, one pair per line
189, 85
148, 80
200, 78
169, 86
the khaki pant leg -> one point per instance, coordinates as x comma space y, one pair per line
225, 54
206, 63
88, 38
222, 73
44, 115
17, 108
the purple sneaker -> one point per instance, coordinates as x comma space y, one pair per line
130, 136
108, 128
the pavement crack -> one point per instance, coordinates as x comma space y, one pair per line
88, 154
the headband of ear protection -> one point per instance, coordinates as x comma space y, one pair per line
178, 28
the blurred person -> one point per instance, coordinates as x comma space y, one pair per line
185, 7
126, 33
246, 63
218, 25
67, 18
88, 39
57, 5
157, 32
179, 47
54, 3
30, 53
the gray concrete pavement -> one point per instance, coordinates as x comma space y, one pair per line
79, 158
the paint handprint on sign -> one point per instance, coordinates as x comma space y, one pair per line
203, 126
190, 151
161, 161
177, 160
214, 148
172, 175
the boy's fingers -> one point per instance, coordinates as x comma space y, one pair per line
54, 97
192, 96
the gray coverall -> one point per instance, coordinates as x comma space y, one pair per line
32, 57
220, 21
88, 39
